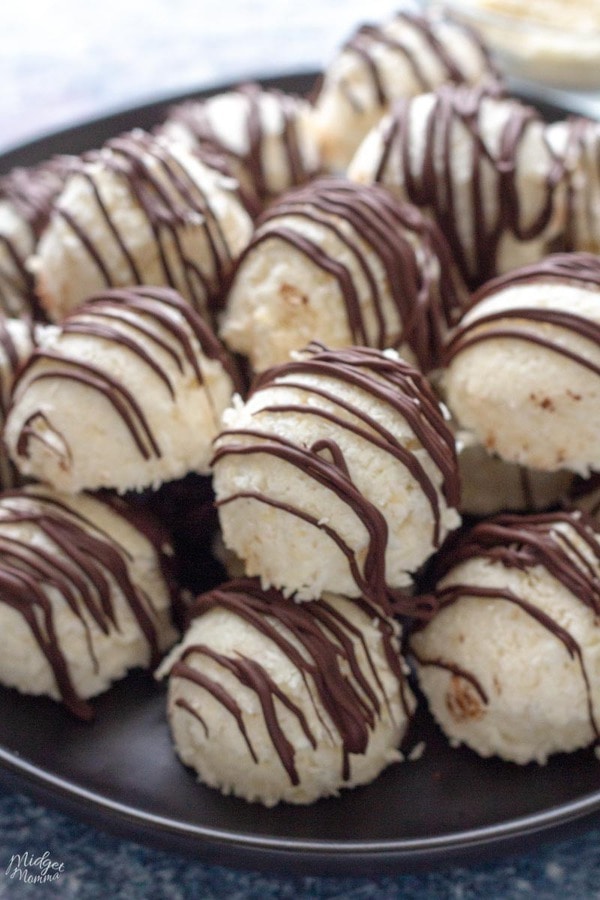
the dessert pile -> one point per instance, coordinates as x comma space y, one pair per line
300, 411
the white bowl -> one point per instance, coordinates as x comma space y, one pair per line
553, 42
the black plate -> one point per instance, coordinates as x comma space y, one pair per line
120, 773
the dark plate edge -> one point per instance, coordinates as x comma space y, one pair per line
298, 856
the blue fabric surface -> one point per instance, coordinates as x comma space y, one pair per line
96, 864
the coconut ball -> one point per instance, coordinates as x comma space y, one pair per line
127, 393
263, 134
410, 54
576, 141
274, 701
510, 662
482, 166
18, 339
85, 594
523, 368
338, 473
345, 264
26, 197
141, 210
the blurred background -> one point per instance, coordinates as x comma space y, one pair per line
66, 61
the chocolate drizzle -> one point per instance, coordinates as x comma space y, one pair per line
389, 381
368, 39
580, 269
196, 116
79, 564
31, 192
142, 320
171, 201
421, 282
346, 694
563, 543
432, 184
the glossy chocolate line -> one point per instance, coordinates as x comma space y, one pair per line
172, 210
389, 444
455, 670
118, 317
181, 669
82, 574
392, 381
425, 305
122, 400
372, 581
196, 117
577, 268
326, 640
454, 592
432, 185
31, 192
331, 470
142, 300
369, 37
469, 335
169, 198
21, 281
251, 674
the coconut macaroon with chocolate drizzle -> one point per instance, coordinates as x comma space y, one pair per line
141, 210
275, 701
338, 473
26, 198
576, 141
410, 54
523, 368
482, 166
126, 393
510, 662
85, 594
344, 264
265, 135
18, 339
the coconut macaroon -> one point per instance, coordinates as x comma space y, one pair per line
510, 662
344, 264
576, 141
275, 701
264, 135
523, 368
410, 54
126, 393
482, 166
338, 473
141, 210
26, 198
18, 339
85, 594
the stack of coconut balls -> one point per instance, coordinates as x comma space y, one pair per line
300, 402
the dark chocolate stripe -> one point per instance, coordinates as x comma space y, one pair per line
433, 187
367, 40
479, 331
170, 200
131, 318
525, 542
89, 562
320, 642
419, 282
390, 381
